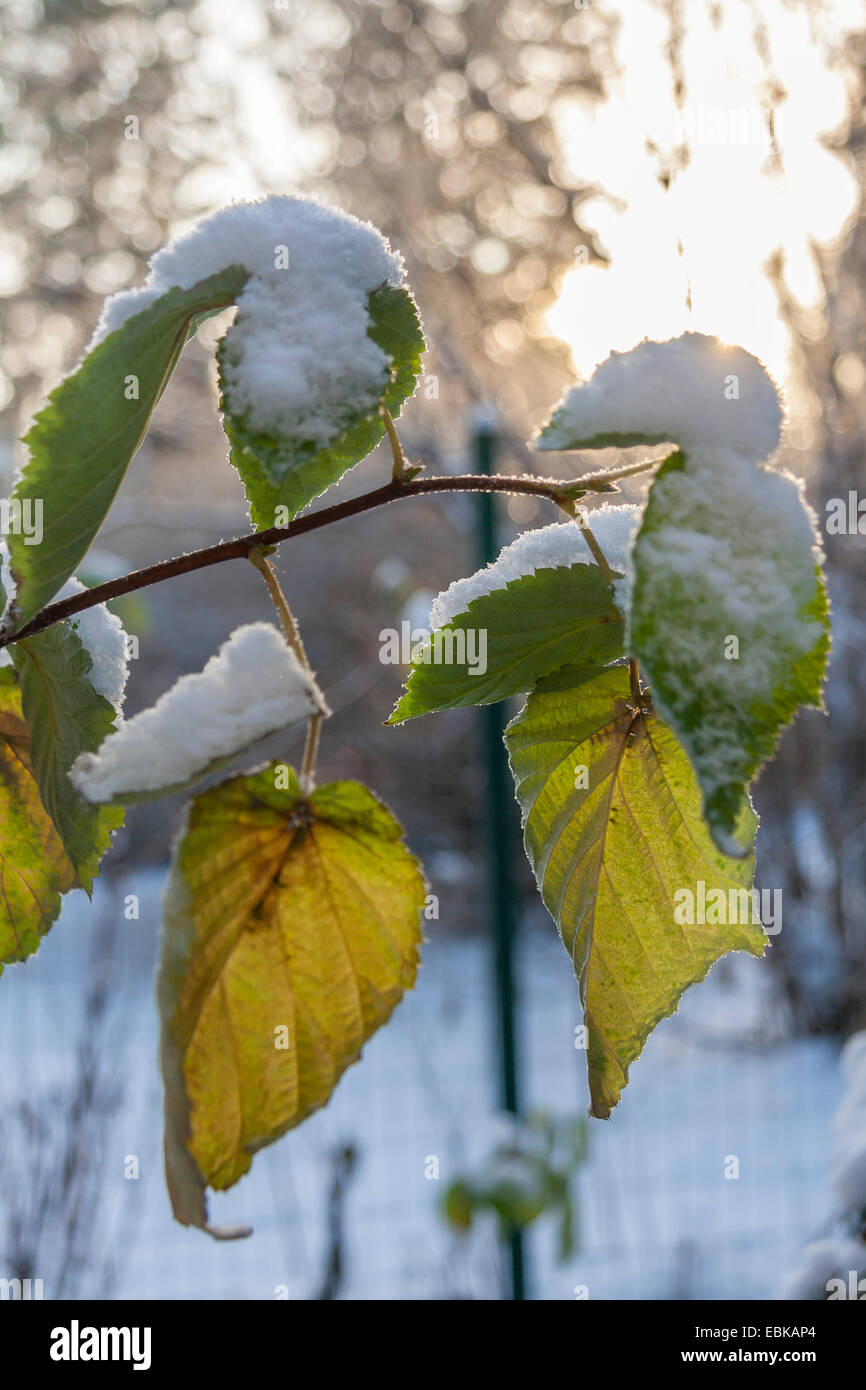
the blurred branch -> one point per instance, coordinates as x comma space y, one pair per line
344, 1160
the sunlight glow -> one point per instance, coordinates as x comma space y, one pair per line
732, 207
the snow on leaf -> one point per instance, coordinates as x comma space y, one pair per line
546, 547
291, 933
299, 346
613, 830
253, 686
508, 639
288, 466
325, 333
690, 391
728, 616
103, 635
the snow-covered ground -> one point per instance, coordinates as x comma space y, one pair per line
659, 1218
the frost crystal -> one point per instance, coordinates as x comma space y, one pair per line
298, 355
254, 686
690, 391
548, 547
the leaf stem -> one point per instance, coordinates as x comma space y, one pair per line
403, 470
311, 753
595, 548
292, 635
291, 631
634, 682
551, 489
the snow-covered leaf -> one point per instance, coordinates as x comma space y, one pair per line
67, 717
613, 830
508, 639
559, 545
82, 441
728, 616
254, 686
291, 932
288, 468
690, 391
325, 333
35, 869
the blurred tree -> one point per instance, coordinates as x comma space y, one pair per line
107, 122
816, 791
441, 120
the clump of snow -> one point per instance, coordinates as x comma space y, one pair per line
103, 636
101, 633
297, 359
547, 547
690, 391
732, 552
848, 1154
253, 686
818, 1263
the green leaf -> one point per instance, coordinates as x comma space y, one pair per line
527, 1175
34, 867
291, 932
729, 618
531, 627
66, 716
289, 473
83, 440
612, 859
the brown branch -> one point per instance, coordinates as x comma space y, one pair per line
558, 490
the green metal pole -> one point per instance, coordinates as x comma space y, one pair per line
500, 848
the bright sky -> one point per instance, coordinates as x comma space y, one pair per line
728, 208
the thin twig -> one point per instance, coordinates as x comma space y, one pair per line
293, 637
311, 752
290, 627
401, 469
552, 489
634, 681
597, 552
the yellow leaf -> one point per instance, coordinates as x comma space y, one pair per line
292, 929
613, 829
34, 867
